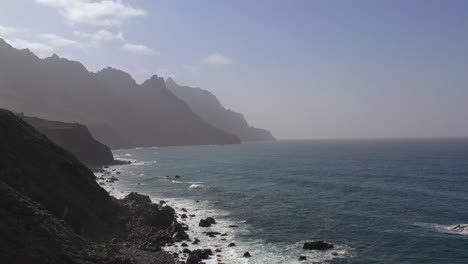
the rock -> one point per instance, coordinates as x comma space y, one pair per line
207, 222
225, 234
184, 244
233, 226
334, 253
459, 228
212, 234
183, 210
231, 245
134, 197
186, 251
184, 216
211, 220
198, 255
177, 176
247, 255
317, 245
196, 241
302, 258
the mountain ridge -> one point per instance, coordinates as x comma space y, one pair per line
59, 89
209, 108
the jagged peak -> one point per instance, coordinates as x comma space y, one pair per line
115, 74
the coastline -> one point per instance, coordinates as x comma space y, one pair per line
219, 236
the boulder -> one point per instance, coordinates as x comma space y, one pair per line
207, 222
198, 255
317, 245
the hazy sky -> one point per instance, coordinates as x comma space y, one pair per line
303, 69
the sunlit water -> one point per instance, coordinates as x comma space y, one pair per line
377, 201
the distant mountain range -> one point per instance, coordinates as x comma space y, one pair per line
118, 111
208, 107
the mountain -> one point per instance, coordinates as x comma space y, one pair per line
75, 138
119, 112
168, 120
208, 107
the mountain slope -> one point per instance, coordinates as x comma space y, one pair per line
59, 89
168, 120
208, 107
75, 138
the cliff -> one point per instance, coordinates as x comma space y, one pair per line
208, 107
41, 170
53, 211
75, 138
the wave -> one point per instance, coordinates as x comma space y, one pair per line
457, 229
196, 187
174, 181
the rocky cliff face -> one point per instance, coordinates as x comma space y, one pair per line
75, 138
51, 208
208, 107
52, 176
119, 112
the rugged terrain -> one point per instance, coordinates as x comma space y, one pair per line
53, 211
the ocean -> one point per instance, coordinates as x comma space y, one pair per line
377, 201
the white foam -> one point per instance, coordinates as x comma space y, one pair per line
196, 187
458, 229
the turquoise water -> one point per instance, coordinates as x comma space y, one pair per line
378, 201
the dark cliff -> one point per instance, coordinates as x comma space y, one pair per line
75, 138
41, 170
53, 211
208, 107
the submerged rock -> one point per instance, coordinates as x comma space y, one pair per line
317, 245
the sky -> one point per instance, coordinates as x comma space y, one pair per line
303, 69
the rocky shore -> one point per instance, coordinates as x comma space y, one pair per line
54, 210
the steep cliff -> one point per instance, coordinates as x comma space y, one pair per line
75, 138
41, 170
208, 107
53, 211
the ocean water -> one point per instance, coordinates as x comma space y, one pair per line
378, 201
